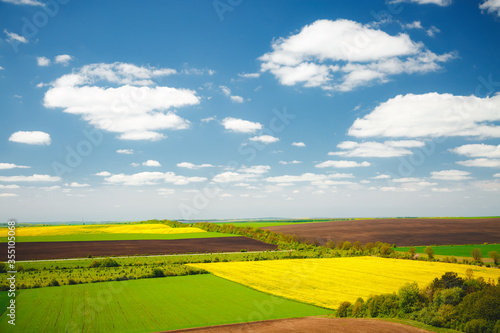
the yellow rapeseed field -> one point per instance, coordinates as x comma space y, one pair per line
104, 229
328, 282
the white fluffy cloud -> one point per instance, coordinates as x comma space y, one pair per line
482, 162
450, 175
42, 61
133, 109
151, 163
3, 195
298, 144
478, 150
255, 169
33, 178
234, 98
265, 139
63, 59
151, 178
103, 174
431, 115
342, 164
240, 125
4, 166
343, 54
31, 138
491, 6
249, 75
192, 166
377, 149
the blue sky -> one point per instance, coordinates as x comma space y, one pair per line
248, 109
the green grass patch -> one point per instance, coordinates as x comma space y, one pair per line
456, 250
148, 305
111, 237
4, 301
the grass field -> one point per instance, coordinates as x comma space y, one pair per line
327, 282
148, 306
110, 237
456, 250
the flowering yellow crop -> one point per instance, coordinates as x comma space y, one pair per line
104, 229
328, 282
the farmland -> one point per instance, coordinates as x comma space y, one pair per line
56, 250
148, 305
456, 250
115, 237
401, 232
327, 282
135, 228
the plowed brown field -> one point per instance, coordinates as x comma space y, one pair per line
58, 250
310, 324
402, 232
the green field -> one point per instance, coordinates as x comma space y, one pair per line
456, 250
110, 237
148, 305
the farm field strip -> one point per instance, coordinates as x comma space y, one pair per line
139, 228
455, 250
148, 305
328, 282
118, 237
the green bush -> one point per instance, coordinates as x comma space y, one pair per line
157, 272
53, 283
409, 298
477, 326
344, 310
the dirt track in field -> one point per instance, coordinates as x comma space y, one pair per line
402, 232
59, 250
310, 324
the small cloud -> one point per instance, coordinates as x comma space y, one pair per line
266, 139
413, 25
151, 163
76, 185
249, 75
450, 175
12, 36
165, 191
103, 174
10, 187
432, 31
481, 162
342, 164
33, 178
240, 125
42, 61
491, 6
208, 119
192, 166
291, 162
3, 195
298, 144
381, 176
496, 175
134, 164
25, 2
125, 151
4, 166
236, 99
31, 138
63, 59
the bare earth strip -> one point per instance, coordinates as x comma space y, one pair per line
402, 232
310, 324
59, 250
